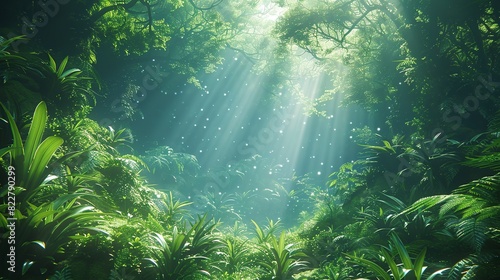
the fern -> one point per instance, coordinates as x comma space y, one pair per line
472, 232
478, 199
467, 268
63, 274
487, 162
483, 187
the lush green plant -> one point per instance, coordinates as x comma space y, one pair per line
63, 274
172, 211
282, 260
44, 231
184, 253
68, 86
407, 269
234, 255
31, 159
386, 219
337, 270
264, 235
18, 70
476, 202
221, 206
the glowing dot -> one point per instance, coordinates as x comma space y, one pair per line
378, 128
319, 172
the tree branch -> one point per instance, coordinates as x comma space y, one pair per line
97, 15
211, 6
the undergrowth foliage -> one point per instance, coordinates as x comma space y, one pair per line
90, 206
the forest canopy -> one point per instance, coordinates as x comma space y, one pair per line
250, 139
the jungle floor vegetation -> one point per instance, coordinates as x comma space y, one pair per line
418, 203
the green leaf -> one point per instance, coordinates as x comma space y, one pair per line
5, 150
26, 266
35, 134
403, 254
3, 222
392, 264
437, 273
17, 145
379, 271
42, 157
36, 242
70, 72
52, 64
419, 264
61, 67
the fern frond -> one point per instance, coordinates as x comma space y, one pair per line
467, 205
473, 232
484, 187
63, 274
425, 203
486, 161
492, 212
